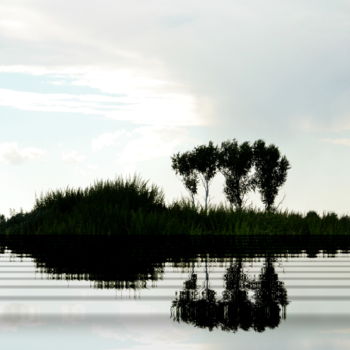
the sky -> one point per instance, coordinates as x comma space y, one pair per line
98, 89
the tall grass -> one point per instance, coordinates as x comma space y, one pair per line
133, 207
106, 207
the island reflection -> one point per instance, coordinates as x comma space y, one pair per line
246, 303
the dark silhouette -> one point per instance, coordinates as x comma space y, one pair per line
270, 171
137, 262
235, 163
198, 309
236, 310
199, 164
270, 297
206, 164
2, 220
183, 164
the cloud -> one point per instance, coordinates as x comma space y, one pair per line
151, 142
240, 64
345, 331
48, 102
73, 157
143, 143
122, 96
338, 141
108, 139
14, 154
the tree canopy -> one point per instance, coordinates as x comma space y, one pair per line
235, 164
183, 166
206, 158
270, 171
200, 164
245, 167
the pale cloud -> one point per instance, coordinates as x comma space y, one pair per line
45, 69
124, 95
338, 141
164, 109
13, 24
48, 102
151, 142
345, 331
11, 152
73, 157
334, 117
107, 139
134, 149
11, 27
143, 143
241, 63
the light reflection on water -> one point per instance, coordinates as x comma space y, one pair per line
200, 302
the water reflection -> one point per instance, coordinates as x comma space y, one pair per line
108, 263
245, 303
236, 308
270, 298
199, 309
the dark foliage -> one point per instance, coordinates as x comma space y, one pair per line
235, 163
206, 164
270, 171
183, 166
235, 310
131, 207
199, 164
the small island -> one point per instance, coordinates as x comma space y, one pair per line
124, 207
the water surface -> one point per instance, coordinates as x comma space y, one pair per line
133, 294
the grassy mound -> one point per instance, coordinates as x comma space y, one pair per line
106, 207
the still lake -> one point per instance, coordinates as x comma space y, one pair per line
106, 295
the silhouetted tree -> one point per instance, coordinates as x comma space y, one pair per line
183, 164
235, 163
199, 164
206, 164
270, 171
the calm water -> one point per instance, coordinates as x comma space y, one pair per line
106, 296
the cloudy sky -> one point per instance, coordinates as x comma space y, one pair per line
94, 89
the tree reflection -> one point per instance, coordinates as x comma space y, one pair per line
270, 297
235, 308
245, 303
198, 309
